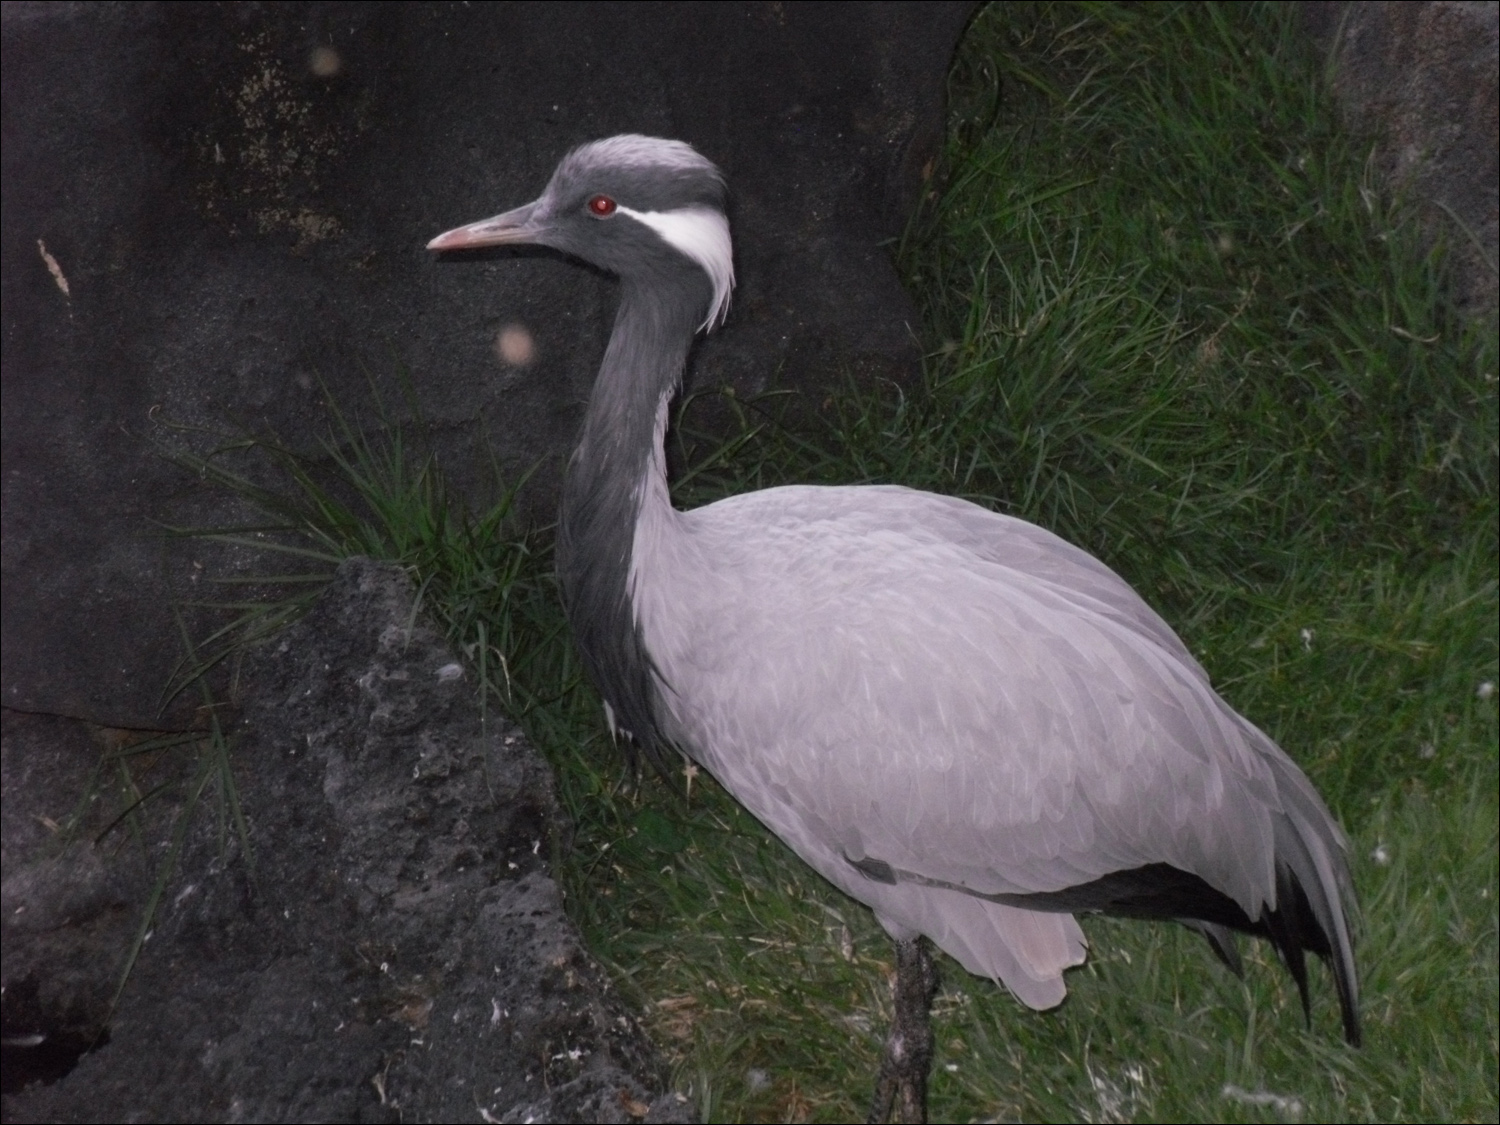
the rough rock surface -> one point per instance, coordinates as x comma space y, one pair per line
399, 952
1424, 80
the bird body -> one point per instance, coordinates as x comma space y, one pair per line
953, 715
963, 698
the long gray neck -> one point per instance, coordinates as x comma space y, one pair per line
616, 468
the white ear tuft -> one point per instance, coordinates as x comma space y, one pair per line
702, 233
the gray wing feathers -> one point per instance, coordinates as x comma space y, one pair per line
913, 679
1025, 950
1313, 847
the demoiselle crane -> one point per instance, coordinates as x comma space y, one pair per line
954, 716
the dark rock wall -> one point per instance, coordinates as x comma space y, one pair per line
214, 211
1421, 78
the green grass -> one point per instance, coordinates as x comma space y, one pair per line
1172, 318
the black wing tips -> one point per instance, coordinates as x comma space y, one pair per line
1312, 886
1308, 916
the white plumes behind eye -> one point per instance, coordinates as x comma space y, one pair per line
701, 233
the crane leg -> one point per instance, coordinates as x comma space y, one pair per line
902, 1082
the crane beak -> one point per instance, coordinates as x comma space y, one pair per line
511, 228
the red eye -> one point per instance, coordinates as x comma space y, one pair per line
602, 206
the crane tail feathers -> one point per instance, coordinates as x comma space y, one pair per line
1221, 941
1304, 911
1312, 887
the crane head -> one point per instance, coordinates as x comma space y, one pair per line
633, 205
